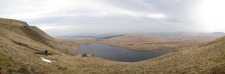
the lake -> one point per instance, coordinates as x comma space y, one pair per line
118, 54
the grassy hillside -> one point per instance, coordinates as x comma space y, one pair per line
66, 46
144, 42
18, 55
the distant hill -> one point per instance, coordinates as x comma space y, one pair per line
146, 42
207, 35
98, 36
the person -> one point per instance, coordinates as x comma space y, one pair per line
46, 52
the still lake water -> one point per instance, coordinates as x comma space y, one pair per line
118, 54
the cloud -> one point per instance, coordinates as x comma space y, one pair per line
157, 16
32, 9
47, 27
62, 17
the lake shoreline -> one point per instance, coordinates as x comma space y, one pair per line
107, 52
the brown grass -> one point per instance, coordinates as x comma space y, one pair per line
144, 42
66, 46
15, 58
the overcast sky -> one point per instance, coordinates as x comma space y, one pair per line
73, 17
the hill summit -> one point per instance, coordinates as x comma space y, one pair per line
12, 22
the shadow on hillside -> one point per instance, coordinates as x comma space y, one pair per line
25, 45
39, 51
43, 53
218, 70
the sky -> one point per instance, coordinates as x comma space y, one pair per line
75, 17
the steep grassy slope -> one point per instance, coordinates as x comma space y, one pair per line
18, 58
42, 33
202, 59
17, 55
22, 28
66, 46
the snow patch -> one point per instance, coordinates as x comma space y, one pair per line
46, 60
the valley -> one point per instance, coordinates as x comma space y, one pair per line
146, 42
19, 42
